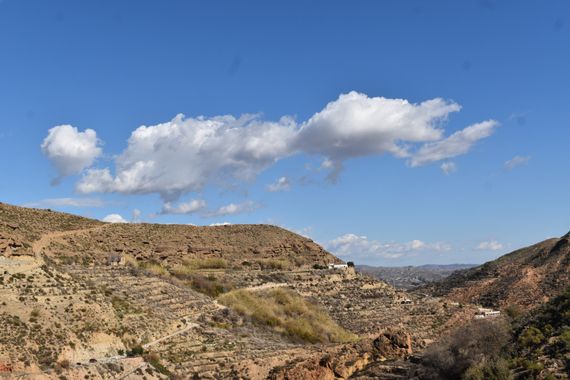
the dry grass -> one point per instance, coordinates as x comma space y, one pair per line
288, 313
129, 260
273, 264
154, 268
209, 263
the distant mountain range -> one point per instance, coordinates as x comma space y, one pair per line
410, 277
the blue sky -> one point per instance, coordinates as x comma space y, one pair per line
394, 133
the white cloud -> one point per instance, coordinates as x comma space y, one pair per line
282, 184
114, 218
186, 154
234, 208
220, 224
516, 161
361, 247
448, 167
357, 125
68, 202
190, 207
136, 215
69, 150
457, 144
491, 245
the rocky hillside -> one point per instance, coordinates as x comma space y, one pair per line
81, 299
527, 277
20, 227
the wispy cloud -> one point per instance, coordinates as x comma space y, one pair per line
516, 161
68, 202
234, 209
491, 245
448, 167
191, 207
282, 184
356, 246
457, 144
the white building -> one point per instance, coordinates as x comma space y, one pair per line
338, 266
486, 313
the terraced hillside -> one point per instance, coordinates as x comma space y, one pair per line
527, 277
85, 299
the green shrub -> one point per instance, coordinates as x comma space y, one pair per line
531, 337
135, 351
489, 370
565, 337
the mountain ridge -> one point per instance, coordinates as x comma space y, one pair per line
525, 277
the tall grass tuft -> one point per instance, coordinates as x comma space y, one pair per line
287, 313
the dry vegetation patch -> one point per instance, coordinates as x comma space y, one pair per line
288, 313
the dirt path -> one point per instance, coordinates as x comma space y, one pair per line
44, 241
190, 325
268, 285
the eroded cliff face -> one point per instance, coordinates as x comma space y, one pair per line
344, 362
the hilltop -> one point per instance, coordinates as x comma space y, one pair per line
527, 277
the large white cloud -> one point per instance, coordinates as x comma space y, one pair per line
69, 150
357, 125
186, 154
355, 246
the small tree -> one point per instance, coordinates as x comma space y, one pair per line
531, 337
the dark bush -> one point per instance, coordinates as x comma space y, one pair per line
478, 342
135, 351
